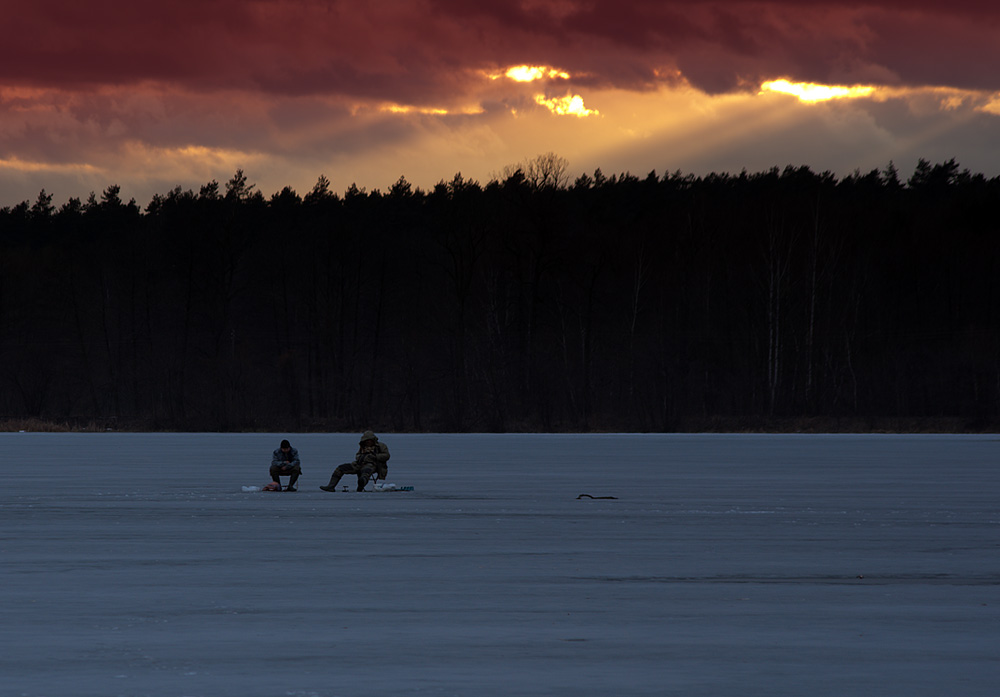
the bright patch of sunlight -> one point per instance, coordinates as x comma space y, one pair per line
812, 92
565, 106
432, 111
531, 73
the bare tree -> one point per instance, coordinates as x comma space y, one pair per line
547, 171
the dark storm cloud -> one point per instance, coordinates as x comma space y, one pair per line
420, 51
720, 45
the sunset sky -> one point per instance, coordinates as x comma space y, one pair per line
152, 95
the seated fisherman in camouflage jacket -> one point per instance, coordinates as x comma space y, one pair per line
371, 458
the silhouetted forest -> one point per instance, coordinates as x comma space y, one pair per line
656, 303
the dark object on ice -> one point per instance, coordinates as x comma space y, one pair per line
588, 496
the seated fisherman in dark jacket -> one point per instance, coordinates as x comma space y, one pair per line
286, 462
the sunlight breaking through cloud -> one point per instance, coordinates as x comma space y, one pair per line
401, 109
429, 111
813, 92
531, 73
565, 106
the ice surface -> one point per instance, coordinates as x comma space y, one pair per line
136, 564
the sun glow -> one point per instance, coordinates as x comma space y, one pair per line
402, 109
993, 106
18, 165
531, 73
813, 92
566, 106
428, 111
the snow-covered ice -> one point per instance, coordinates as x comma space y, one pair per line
799, 565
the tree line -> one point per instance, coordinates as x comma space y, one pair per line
658, 303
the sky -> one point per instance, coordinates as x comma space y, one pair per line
154, 95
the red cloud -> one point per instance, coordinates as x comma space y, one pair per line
420, 52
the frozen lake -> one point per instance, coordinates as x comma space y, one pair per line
728, 565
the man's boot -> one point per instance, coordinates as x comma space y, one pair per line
332, 486
294, 477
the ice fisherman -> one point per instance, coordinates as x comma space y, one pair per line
371, 458
286, 462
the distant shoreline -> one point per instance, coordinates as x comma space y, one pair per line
734, 424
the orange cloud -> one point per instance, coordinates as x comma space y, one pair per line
16, 164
